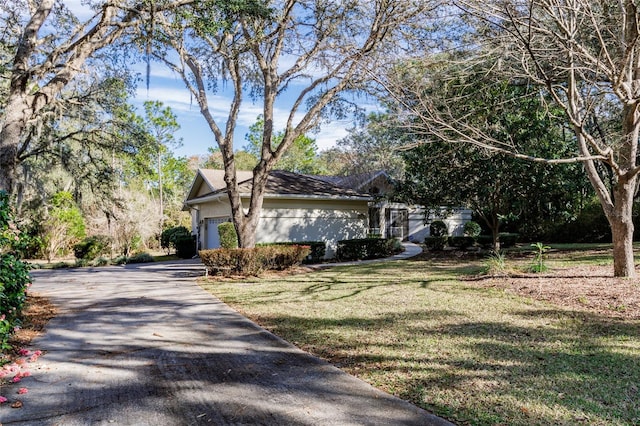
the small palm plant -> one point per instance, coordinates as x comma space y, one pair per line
538, 264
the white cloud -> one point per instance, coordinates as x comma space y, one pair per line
331, 133
81, 11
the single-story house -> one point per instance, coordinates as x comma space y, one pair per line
296, 208
300, 207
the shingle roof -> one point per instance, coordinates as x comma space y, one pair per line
355, 182
281, 184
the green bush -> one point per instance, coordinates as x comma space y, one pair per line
141, 258
438, 229
170, 236
472, 229
228, 235
589, 226
318, 249
508, 239
185, 246
101, 261
436, 243
366, 248
461, 242
81, 263
14, 273
485, 241
91, 247
253, 261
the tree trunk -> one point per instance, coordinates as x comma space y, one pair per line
495, 232
10, 135
621, 221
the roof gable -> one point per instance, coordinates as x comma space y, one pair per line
208, 181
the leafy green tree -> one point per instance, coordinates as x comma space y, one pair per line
299, 158
162, 124
244, 160
335, 162
580, 56
495, 185
45, 51
63, 225
374, 146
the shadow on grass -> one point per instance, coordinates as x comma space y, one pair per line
578, 369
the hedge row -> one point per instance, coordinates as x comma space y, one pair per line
367, 248
316, 255
464, 242
253, 261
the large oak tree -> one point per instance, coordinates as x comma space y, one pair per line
44, 49
307, 51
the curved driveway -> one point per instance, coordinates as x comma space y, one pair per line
144, 345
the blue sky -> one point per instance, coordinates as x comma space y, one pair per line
194, 132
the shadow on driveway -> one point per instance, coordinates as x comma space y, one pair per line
144, 345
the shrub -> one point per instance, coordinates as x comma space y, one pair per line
538, 264
91, 247
486, 241
461, 242
438, 229
101, 261
318, 249
170, 236
141, 258
472, 229
366, 248
81, 263
436, 243
228, 235
508, 239
14, 273
120, 260
253, 261
185, 246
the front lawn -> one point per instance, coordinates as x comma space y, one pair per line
474, 352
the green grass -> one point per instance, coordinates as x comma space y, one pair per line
473, 355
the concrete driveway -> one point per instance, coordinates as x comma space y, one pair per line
144, 345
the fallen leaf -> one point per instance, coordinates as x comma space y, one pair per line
17, 404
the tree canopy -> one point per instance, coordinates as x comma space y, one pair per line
582, 56
313, 51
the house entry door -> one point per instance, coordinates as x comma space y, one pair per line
213, 238
397, 224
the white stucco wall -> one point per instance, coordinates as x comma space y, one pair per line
309, 220
419, 230
295, 220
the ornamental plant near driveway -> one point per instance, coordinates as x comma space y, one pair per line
14, 273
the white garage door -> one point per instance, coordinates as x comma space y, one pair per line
213, 238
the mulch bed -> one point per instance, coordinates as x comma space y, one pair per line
587, 288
